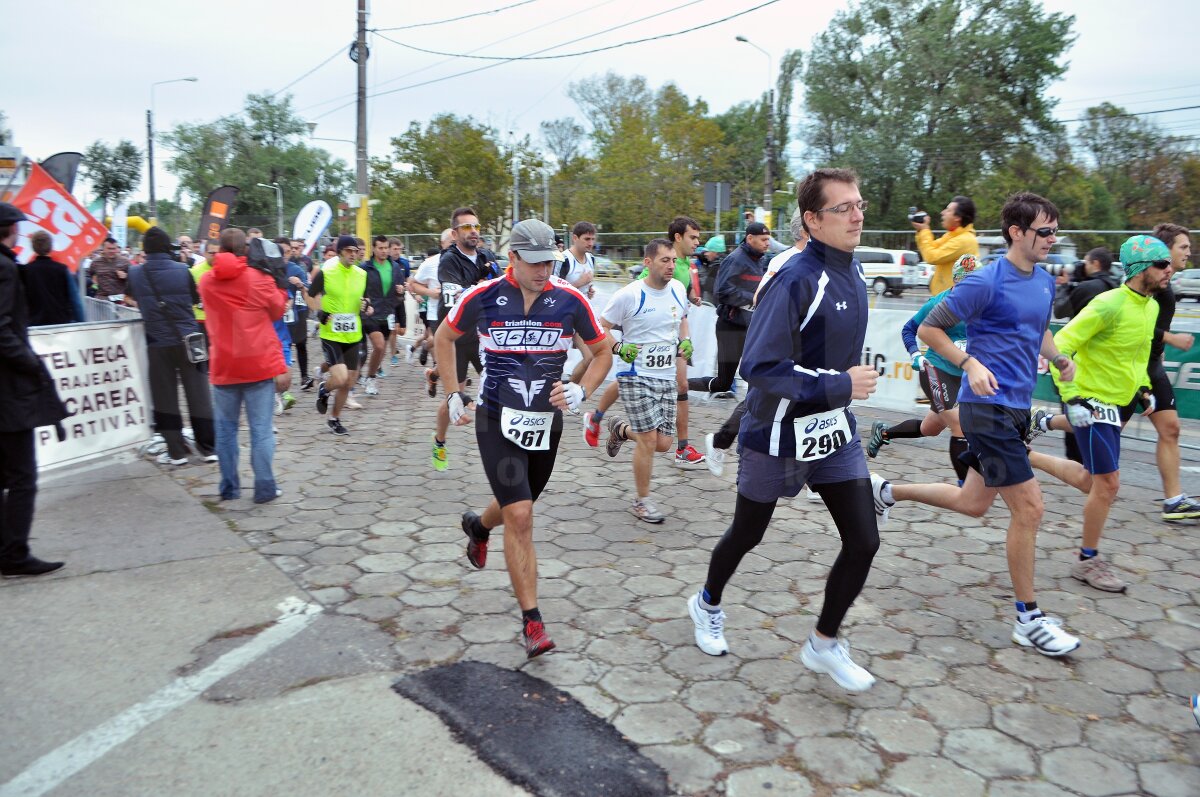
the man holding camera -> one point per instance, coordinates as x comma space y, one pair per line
958, 219
1073, 295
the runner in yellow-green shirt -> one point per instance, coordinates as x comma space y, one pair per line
336, 295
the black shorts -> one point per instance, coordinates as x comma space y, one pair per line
298, 329
401, 316
373, 325
337, 352
1160, 386
466, 351
940, 387
996, 442
514, 473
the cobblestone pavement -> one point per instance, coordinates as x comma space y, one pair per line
371, 531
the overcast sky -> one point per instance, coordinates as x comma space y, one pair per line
80, 71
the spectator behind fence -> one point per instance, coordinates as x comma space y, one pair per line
27, 400
50, 287
242, 305
109, 270
165, 293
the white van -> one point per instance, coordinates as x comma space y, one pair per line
892, 271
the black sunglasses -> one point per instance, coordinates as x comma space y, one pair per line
1043, 232
1159, 263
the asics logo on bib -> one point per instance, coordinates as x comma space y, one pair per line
818, 423
527, 390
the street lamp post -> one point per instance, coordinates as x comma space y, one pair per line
150, 140
769, 182
278, 204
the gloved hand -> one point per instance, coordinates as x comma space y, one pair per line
574, 395
686, 348
918, 362
457, 404
628, 351
1148, 402
1079, 412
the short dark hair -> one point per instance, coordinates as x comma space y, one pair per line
379, 239
233, 240
458, 212
810, 194
1021, 209
1168, 232
284, 242
42, 243
1101, 255
966, 209
652, 247
680, 225
110, 240
583, 228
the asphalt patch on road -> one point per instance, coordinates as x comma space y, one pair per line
537, 736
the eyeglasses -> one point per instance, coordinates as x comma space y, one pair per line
1158, 263
1043, 232
845, 207
474, 227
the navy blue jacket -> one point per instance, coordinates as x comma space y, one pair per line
808, 330
165, 326
737, 280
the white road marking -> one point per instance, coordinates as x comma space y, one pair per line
49, 771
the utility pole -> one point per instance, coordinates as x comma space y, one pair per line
546, 195
150, 162
359, 54
516, 167
769, 182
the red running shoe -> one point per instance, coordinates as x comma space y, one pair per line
591, 430
536, 641
476, 548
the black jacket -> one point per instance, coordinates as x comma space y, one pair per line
459, 271
27, 395
48, 290
737, 280
383, 304
165, 326
1069, 299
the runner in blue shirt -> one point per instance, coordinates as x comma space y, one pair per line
1006, 307
526, 322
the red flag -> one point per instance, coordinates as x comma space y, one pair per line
50, 207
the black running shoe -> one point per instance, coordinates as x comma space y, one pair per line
423, 357
477, 540
322, 400
336, 427
308, 384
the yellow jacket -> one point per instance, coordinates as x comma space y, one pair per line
944, 251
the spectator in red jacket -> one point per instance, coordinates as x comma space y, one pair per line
242, 305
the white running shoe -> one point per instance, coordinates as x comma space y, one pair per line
408, 353
836, 663
882, 507
1045, 634
710, 627
812, 495
716, 456
351, 403
278, 404
372, 386
645, 510
165, 459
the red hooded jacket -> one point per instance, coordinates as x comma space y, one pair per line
241, 305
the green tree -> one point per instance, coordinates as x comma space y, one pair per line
6, 134
449, 163
922, 96
113, 171
262, 144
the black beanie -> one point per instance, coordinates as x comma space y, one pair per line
156, 241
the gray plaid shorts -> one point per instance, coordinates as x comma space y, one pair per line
650, 403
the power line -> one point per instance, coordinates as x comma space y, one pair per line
498, 63
456, 19
335, 54
524, 32
534, 57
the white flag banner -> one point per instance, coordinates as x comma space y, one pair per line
120, 224
311, 222
99, 371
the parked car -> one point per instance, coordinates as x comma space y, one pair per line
1186, 283
606, 267
889, 271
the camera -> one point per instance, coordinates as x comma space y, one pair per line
1058, 269
917, 218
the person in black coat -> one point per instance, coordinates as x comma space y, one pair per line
50, 288
27, 400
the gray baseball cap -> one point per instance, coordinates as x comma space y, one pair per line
533, 240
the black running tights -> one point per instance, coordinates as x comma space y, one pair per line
853, 511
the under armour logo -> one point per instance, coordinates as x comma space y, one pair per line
502, 300
840, 305
548, 301
527, 391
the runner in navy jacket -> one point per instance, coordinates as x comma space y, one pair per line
802, 365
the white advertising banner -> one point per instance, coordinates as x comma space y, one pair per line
120, 224
311, 222
100, 373
898, 386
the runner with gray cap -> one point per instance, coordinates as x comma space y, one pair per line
526, 321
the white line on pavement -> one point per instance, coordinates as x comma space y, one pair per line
56, 766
